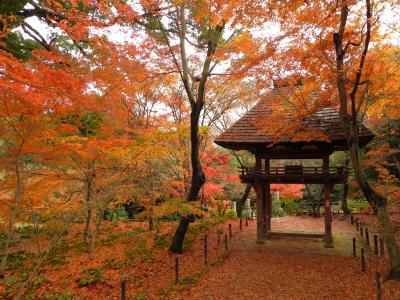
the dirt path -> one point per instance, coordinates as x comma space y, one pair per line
290, 268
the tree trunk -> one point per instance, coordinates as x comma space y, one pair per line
177, 241
198, 176
88, 213
378, 203
11, 222
151, 223
242, 201
95, 233
198, 179
196, 105
351, 129
344, 205
386, 230
87, 225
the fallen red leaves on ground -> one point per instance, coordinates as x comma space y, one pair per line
246, 271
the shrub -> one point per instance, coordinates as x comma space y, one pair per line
229, 214
137, 231
139, 282
290, 207
17, 259
200, 227
161, 241
174, 216
54, 228
141, 296
90, 276
119, 214
112, 237
173, 209
143, 252
12, 285
134, 237
56, 296
114, 263
357, 205
58, 261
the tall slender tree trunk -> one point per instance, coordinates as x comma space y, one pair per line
198, 176
378, 203
12, 218
196, 104
198, 179
95, 233
242, 200
350, 128
177, 241
88, 212
343, 201
387, 231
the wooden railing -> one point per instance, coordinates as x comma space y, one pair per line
293, 171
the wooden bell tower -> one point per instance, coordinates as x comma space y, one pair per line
248, 133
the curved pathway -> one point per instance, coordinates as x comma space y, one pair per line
290, 268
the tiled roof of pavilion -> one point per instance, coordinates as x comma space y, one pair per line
248, 130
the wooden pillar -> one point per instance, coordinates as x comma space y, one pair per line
267, 203
268, 209
328, 215
325, 164
267, 166
258, 163
259, 189
327, 205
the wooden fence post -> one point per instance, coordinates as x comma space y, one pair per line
382, 247
230, 230
205, 250
176, 269
357, 224
240, 224
361, 229
226, 242
123, 289
247, 221
362, 260
378, 286
376, 244
354, 247
367, 236
351, 219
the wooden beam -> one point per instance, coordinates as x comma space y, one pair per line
297, 234
285, 179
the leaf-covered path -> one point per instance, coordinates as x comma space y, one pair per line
291, 268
